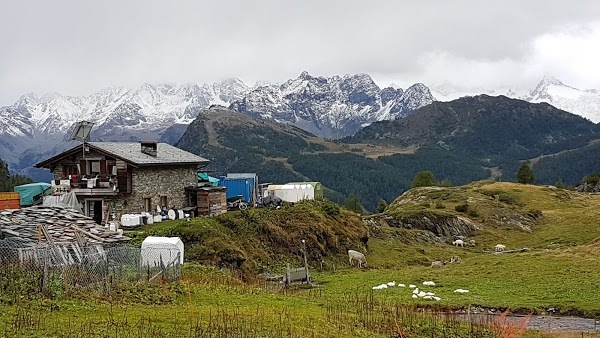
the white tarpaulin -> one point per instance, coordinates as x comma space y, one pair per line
64, 200
161, 249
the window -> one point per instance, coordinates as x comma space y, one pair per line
163, 202
95, 167
147, 205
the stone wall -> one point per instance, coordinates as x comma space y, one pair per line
154, 182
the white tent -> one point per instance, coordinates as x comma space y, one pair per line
292, 192
165, 249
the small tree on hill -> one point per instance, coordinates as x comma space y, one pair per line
525, 174
381, 206
353, 204
559, 184
424, 179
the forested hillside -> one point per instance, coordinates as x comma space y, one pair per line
8, 181
461, 141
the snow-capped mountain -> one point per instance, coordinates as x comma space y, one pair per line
585, 103
331, 107
36, 127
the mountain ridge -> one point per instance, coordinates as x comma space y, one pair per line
459, 141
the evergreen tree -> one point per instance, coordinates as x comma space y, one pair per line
525, 174
353, 204
382, 205
559, 184
8, 181
424, 179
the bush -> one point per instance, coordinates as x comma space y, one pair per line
462, 207
331, 209
508, 199
472, 213
591, 179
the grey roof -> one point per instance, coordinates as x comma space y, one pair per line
132, 152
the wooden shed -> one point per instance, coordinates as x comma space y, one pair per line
210, 200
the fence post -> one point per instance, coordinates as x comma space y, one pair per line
106, 281
45, 273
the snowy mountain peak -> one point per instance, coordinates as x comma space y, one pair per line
27, 99
550, 80
543, 88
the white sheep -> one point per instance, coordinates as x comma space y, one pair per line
500, 247
437, 264
459, 242
455, 259
357, 256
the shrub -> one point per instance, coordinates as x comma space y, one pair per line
472, 213
331, 209
508, 198
591, 179
462, 207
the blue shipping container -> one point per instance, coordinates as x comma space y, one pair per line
238, 186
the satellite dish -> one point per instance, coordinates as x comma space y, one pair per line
81, 131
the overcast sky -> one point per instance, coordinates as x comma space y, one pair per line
78, 47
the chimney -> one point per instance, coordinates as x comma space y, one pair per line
149, 147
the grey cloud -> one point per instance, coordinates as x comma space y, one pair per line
76, 47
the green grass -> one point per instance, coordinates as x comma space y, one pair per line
560, 271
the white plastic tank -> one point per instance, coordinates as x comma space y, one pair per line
161, 249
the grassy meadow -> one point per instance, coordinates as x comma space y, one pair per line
219, 297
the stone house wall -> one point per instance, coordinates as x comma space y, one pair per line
154, 182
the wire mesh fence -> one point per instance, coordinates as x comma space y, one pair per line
60, 269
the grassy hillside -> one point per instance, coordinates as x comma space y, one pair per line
560, 271
261, 239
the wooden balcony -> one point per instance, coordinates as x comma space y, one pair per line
95, 191
95, 186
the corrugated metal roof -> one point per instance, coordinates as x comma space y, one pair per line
132, 152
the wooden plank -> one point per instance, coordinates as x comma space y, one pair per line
74, 227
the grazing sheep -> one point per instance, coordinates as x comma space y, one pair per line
500, 247
455, 259
471, 242
438, 264
459, 242
357, 256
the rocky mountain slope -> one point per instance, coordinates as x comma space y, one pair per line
332, 107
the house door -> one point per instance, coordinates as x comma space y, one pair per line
93, 209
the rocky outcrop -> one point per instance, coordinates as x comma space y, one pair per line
439, 224
588, 187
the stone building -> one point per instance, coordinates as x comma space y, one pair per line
124, 177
